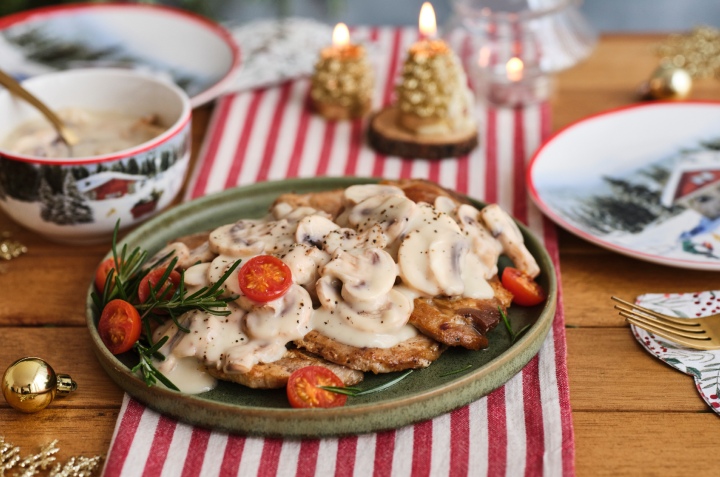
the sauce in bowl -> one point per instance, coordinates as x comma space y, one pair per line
100, 132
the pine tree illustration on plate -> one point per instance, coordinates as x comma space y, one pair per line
67, 207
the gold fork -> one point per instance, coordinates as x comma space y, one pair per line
697, 333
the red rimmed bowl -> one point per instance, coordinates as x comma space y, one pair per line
80, 199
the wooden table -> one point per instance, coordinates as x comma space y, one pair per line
632, 414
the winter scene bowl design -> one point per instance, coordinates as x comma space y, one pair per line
80, 199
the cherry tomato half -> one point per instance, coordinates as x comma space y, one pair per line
119, 326
303, 390
152, 279
102, 272
525, 290
264, 278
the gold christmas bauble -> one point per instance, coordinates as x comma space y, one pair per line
667, 82
30, 384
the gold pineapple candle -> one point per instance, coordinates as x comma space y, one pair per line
433, 114
342, 82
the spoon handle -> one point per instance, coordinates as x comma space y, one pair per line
15, 88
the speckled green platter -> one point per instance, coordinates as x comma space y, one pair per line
424, 394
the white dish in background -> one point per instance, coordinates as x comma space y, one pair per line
197, 54
643, 181
80, 199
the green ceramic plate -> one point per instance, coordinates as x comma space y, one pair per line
422, 395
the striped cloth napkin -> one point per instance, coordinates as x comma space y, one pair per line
522, 428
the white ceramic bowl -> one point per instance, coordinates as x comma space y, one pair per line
79, 200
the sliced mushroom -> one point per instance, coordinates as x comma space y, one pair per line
357, 193
247, 238
217, 269
196, 277
483, 244
286, 318
391, 212
167, 253
199, 254
429, 256
312, 230
348, 239
366, 275
506, 231
304, 261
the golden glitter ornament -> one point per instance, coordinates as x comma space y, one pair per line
342, 83
30, 385
697, 52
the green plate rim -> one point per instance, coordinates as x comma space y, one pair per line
373, 416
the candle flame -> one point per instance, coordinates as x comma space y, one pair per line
514, 69
428, 24
341, 35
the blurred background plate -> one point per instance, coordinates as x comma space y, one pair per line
195, 53
643, 181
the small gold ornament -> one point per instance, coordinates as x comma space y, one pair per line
9, 248
667, 82
30, 384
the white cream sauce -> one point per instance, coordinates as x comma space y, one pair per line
100, 132
354, 283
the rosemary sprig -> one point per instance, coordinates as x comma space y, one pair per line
149, 372
513, 335
350, 391
207, 299
123, 279
456, 371
123, 282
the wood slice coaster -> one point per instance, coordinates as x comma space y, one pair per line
386, 137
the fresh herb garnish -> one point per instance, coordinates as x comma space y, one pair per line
149, 372
457, 371
207, 299
513, 335
123, 282
350, 391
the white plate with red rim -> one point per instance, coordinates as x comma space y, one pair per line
198, 55
643, 180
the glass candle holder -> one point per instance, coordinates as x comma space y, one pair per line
516, 46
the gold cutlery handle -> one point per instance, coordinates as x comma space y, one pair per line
15, 88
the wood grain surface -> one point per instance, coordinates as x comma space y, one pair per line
633, 415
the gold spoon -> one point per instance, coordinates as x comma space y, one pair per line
65, 133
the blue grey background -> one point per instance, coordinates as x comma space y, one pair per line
604, 15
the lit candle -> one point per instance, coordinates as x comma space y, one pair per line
433, 97
515, 85
514, 69
342, 82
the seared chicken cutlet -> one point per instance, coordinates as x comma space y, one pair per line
458, 321
413, 353
380, 278
275, 374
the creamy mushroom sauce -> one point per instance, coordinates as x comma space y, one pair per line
354, 279
100, 132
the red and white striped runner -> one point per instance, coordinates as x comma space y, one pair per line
523, 428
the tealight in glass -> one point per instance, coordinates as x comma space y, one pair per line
517, 45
